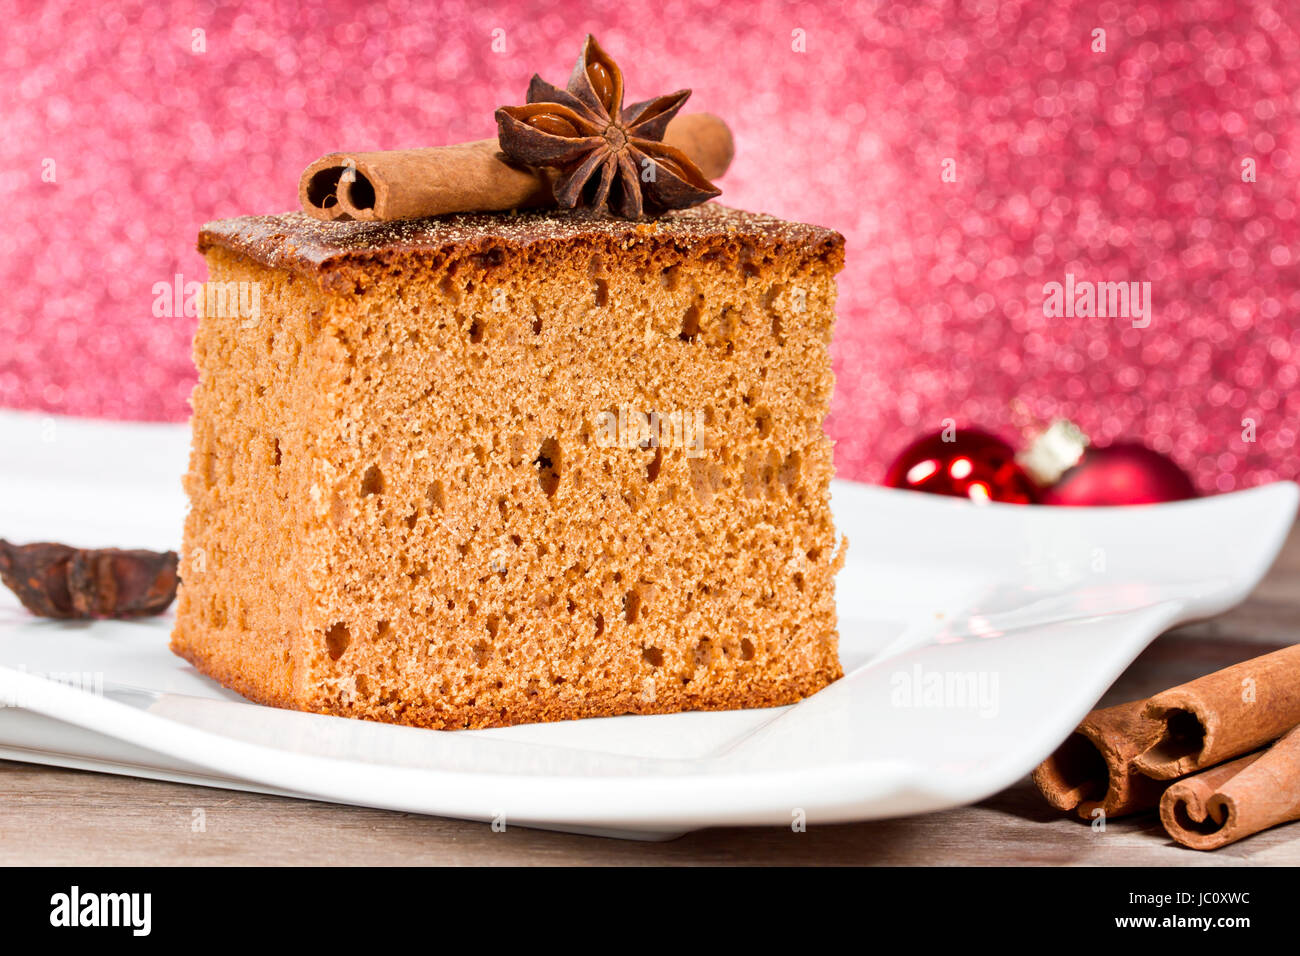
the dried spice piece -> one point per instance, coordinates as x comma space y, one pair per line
55, 580
1212, 719
1233, 800
1093, 770
607, 157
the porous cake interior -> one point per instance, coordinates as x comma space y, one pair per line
409, 502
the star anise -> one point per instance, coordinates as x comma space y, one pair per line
55, 580
606, 157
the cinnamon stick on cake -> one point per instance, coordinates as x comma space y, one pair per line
496, 468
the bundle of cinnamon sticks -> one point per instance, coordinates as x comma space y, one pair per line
1219, 756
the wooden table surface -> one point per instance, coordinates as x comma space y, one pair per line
54, 816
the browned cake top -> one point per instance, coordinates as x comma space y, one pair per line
299, 243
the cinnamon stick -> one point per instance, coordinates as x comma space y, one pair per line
1221, 805
467, 177
1094, 767
1223, 715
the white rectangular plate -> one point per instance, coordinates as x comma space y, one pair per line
973, 640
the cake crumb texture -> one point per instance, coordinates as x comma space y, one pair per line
408, 502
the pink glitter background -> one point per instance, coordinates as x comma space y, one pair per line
1122, 165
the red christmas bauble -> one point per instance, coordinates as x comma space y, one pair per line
963, 463
1125, 473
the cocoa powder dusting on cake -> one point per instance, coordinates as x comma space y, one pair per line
299, 243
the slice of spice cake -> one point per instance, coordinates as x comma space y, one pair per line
493, 469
